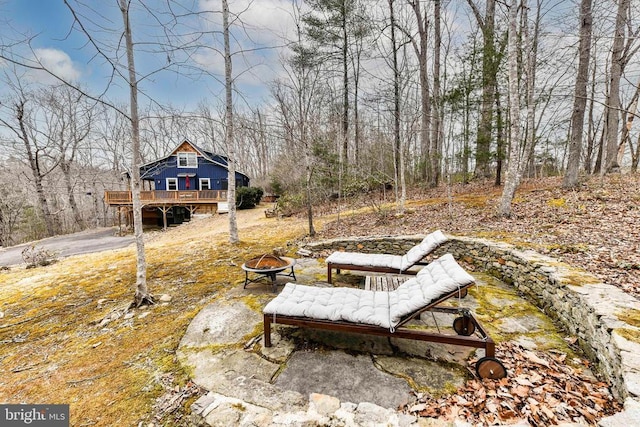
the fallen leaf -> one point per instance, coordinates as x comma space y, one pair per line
535, 359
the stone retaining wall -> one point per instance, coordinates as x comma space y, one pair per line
605, 320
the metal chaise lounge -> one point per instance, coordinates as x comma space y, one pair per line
385, 263
387, 313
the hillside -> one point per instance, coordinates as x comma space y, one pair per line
595, 227
67, 335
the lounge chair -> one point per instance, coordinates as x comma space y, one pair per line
385, 263
387, 313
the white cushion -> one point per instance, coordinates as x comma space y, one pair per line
384, 309
396, 262
335, 304
365, 260
441, 277
422, 249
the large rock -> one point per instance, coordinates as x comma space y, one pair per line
346, 377
221, 323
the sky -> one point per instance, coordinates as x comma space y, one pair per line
67, 52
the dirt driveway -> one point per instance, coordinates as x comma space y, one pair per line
84, 242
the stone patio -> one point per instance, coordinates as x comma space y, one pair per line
312, 377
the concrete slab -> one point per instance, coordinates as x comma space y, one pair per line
351, 378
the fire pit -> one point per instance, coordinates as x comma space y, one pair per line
270, 266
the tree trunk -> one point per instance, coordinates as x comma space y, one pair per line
34, 164
228, 135
425, 101
142, 295
580, 97
613, 102
436, 138
65, 166
630, 114
531, 43
512, 179
489, 75
500, 142
591, 127
345, 88
397, 148
635, 156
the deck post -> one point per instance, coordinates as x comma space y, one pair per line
119, 221
163, 209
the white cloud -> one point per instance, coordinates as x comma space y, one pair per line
267, 22
58, 63
260, 30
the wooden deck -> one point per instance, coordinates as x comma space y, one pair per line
383, 283
160, 198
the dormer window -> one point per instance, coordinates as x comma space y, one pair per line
187, 160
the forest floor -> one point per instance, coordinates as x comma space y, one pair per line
595, 227
67, 333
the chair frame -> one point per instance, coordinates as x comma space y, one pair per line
352, 267
400, 331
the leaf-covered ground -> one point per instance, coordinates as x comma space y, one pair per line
595, 227
540, 389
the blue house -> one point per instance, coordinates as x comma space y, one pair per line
188, 167
187, 180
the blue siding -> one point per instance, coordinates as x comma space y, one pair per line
206, 169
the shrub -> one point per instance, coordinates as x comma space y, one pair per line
38, 257
248, 197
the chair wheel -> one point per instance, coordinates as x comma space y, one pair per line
490, 368
464, 326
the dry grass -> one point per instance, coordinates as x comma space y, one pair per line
57, 346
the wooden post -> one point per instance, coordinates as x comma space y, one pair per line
120, 220
164, 210
267, 330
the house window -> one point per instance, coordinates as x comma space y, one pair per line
172, 184
187, 160
205, 184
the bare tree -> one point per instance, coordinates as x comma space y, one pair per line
299, 100
228, 134
34, 147
142, 295
69, 121
397, 145
517, 151
490, 62
613, 100
421, 48
580, 96
12, 201
436, 138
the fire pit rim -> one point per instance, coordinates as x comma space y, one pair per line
289, 263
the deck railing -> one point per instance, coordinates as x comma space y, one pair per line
168, 197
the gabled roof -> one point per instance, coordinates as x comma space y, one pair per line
213, 158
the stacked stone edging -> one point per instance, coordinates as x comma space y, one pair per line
584, 306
